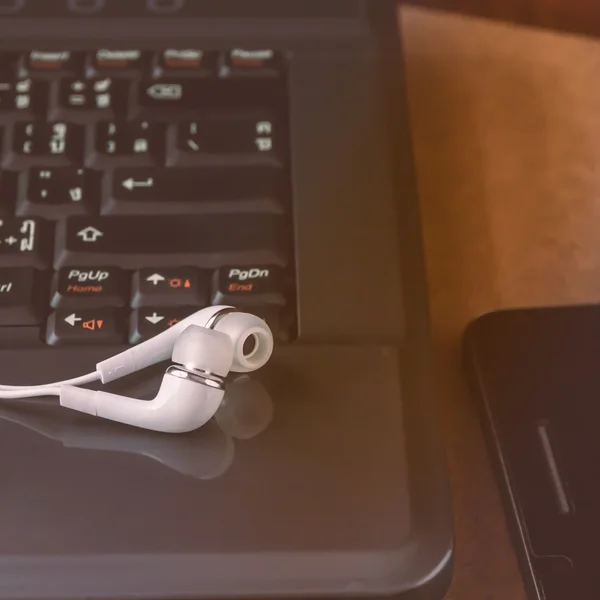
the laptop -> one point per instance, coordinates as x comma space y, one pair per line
160, 156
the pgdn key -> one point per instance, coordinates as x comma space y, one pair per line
249, 286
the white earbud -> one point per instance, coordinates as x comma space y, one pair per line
242, 329
246, 411
205, 347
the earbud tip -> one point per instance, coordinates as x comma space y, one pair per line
252, 340
204, 349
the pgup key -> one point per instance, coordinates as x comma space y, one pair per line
89, 288
25, 242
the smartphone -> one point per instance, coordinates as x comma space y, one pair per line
535, 378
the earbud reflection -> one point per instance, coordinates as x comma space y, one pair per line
246, 411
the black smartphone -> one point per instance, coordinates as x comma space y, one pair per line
535, 377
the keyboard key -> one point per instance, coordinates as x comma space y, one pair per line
184, 286
21, 297
9, 181
91, 326
80, 100
279, 320
25, 243
251, 63
135, 144
53, 63
248, 286
22, 100
89, 288
43, 144
10, 62
147, 322
202, 241
233, 139
180, 97
55, 193
188, 61
151, 191
121, 62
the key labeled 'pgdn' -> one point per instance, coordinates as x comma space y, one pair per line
243, 274
243, 286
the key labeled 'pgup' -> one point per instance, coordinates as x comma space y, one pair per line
91, 275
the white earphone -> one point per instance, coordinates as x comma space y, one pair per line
245, 413
206, 346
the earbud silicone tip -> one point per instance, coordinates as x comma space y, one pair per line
204, 349
252, 340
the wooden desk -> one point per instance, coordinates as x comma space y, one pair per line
581, 16
507, 141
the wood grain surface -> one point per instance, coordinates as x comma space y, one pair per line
506, 125
582, 16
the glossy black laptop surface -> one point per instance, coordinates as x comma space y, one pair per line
158, 157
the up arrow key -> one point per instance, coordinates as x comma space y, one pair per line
155, 279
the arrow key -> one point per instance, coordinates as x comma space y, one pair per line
100, 326
184, 286
150, 321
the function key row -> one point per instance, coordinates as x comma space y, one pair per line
228, 139
234, 62
165, 99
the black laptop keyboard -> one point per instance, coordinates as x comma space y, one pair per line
138, 187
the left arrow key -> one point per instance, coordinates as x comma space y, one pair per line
94, 326
72, 319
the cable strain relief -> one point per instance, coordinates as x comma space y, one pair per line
78, 399
116, 367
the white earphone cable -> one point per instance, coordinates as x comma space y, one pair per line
9, 392
29, 393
